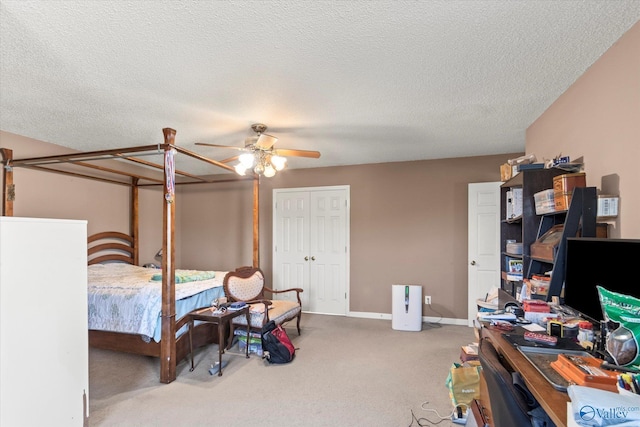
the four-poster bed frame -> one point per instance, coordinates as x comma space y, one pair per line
170, 349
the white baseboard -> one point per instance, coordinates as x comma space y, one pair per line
425, 319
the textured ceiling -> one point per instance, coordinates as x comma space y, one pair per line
360, 81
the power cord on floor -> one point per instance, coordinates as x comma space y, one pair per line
459, 408
436, 323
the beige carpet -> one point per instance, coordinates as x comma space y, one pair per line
347, 372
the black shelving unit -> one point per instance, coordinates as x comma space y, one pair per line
579, 220
524, 228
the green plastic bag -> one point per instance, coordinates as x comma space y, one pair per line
622, 343
463, 384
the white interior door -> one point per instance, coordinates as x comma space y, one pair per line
328, 252
311, 246
484, 242
291, 243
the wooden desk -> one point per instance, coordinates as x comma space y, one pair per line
554, 402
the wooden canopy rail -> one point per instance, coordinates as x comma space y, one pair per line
167, 347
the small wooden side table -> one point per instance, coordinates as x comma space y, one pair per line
222, 320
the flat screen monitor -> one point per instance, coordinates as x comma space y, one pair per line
611, 263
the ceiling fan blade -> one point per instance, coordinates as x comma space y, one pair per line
297, 153
230, 159
265, 141
220, 146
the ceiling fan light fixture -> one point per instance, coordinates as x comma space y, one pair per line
266, 141
259, 169
278, 162
269, 171
260, 156
247, 160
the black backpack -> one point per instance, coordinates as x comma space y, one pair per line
276, 345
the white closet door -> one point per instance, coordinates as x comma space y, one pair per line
328, 251
311, 246
291, 238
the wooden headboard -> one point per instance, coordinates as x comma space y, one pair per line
110, 246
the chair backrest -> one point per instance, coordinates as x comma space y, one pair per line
509, 407
244, 284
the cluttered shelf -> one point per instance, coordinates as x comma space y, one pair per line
542, 205
543, 259
514, 220
512, 255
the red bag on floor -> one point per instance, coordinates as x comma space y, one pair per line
276, 344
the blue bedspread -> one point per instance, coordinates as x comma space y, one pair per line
123, 298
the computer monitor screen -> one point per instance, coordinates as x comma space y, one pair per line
610, 263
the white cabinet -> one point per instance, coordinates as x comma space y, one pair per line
44, 355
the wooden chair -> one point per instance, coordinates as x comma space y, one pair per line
247, 284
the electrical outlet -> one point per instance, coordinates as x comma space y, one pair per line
427, 300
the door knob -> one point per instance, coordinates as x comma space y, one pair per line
306, 258
313, 258
473, 263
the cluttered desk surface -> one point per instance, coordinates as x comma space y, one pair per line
549, 363
553, 401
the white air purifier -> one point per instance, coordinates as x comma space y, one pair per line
406, 310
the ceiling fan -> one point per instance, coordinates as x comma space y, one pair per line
260, 153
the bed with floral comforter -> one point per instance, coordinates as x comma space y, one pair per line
127, 298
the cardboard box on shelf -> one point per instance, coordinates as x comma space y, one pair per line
545, 247
538, 285
514, 248
469, 352
562, 201
567, 182
563, 186
607, 206
505, 172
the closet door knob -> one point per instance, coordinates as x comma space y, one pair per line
313, 258
306, 258
473, 263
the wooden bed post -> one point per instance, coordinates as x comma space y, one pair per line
168, 337
134, 221
8, 189
256, 223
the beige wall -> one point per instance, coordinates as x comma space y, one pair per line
598, 118
49, 195
216, 225
408, 225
